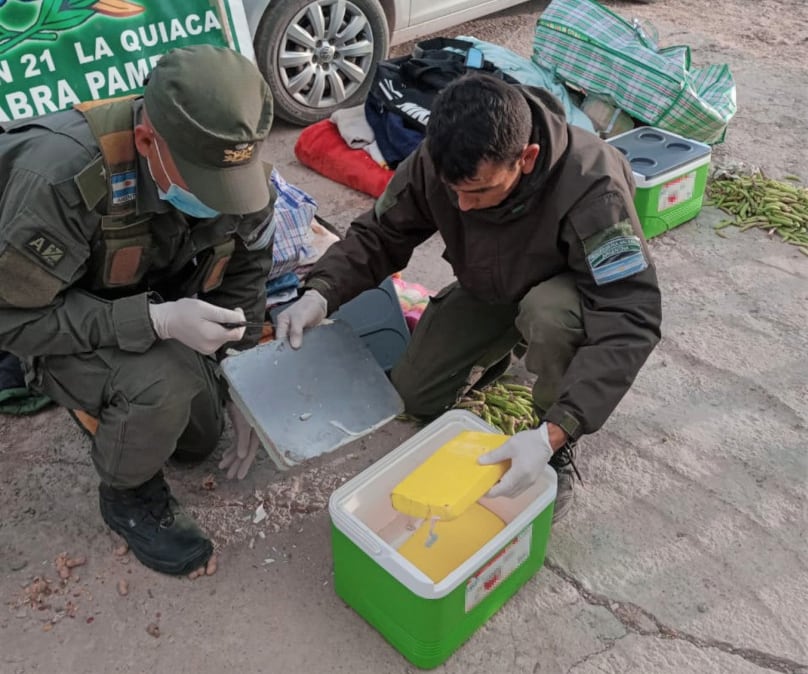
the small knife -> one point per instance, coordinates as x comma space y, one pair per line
243, 324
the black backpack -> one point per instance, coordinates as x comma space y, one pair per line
407, 85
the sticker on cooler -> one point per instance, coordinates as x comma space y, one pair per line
489, 577
677, 191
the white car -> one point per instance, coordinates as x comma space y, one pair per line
318, 55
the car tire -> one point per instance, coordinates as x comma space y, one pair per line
314, 67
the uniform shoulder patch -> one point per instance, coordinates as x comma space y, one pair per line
92, 182
615, 253
124, 187
46, 248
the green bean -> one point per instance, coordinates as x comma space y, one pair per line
760, 202
508, 407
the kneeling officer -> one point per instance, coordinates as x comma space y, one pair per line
130, 231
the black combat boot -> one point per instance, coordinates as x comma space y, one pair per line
562, 462
160, 534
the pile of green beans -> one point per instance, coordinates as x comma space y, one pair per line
508, 407
758, 201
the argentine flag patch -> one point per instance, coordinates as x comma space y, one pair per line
615, 253
124, 187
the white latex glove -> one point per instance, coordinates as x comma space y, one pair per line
196, 324
529, 452
239, 456
308, 311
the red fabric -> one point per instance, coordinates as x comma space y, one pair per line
321, 148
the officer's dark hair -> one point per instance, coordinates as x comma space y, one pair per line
477, 117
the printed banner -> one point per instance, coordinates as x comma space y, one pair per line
54, 53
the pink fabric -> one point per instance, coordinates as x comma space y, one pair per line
413, 298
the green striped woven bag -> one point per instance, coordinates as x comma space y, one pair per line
592, 48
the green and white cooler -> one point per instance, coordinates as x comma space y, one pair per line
670, 173
427, 621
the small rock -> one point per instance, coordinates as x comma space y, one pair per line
702, 608
153, 629
260, 514
121, 550
123, 587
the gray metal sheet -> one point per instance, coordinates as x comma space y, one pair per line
307, 402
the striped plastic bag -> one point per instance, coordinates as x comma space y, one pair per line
590, 47
294, 211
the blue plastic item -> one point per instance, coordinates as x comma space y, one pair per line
375, 315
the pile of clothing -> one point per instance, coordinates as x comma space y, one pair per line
359, 147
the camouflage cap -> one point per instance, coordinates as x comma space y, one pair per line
214, 109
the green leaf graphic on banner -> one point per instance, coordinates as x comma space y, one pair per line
57, 16
56, 53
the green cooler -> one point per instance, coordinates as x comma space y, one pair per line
670, 173
427, 621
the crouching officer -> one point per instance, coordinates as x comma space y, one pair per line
131, 232
540, 228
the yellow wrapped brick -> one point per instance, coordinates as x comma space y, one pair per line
454, 541
450, 480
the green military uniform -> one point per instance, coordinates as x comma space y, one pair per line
463, 342
85, 244
122, 261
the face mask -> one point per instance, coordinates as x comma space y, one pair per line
180, 198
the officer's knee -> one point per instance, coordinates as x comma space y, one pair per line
164, 375
550, 312
420, 399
